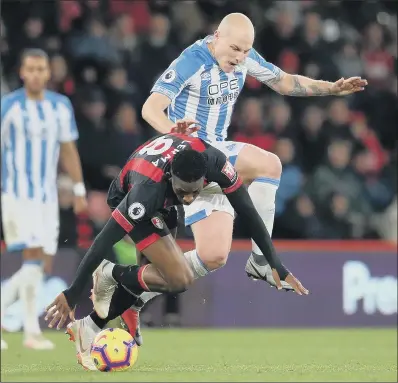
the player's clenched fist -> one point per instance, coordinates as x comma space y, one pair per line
185, 126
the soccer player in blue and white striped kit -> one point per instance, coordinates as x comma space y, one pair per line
37, 127
202, 86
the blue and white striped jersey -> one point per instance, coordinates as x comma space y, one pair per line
200, 90
31, 133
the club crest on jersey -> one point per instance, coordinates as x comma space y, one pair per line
169, 76
157, 222
229, 171
205, 76
136, 210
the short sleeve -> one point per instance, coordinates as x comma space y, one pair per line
68, 128
177, 76
222, 171
6, 103
261, 69
143, 201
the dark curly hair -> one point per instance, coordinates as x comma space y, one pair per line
189, 165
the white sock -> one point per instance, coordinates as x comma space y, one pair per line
10, 291
28, 293
197, 266
90, 323
262, 192
107, 270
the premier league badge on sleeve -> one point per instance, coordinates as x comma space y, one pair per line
169, 76
136, 210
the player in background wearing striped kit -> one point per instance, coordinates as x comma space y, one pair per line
37, 128
202, 86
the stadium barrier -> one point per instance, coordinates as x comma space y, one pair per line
352, 284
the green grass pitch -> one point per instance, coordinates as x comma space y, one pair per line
223, 355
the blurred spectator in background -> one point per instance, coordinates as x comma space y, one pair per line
118, 90
292, 177
98, 210
337, 176
61, 79
129, 132
281, 35
299, 220
94, 43
280, 119
378, 62
251, 125
96, 144
32, 34
157, 51
337, 125
313, 138
338, 154
337, 218
348, 61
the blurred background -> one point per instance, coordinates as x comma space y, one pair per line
339, 155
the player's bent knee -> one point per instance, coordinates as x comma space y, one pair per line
181, 279
254, 162
271, 166
212, 258
180, 283
275, 166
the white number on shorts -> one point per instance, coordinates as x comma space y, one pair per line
158, 146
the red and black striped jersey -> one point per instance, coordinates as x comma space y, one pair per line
146, 172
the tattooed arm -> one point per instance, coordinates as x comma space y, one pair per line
300, 86
296, 85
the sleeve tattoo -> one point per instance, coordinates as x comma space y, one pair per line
311, 90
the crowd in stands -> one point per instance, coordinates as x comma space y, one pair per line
338, 153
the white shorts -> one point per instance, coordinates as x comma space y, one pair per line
29, 224
212, 198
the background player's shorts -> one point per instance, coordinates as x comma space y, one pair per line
29, 224
146, 232
211, 198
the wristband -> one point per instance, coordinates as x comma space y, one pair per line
79, 190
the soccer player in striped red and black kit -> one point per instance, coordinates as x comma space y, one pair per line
167, 171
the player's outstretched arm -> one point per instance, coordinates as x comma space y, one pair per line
64, 304
296, 85
301, 86
243, 205
221, 171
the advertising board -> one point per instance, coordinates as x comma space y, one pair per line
350, 286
